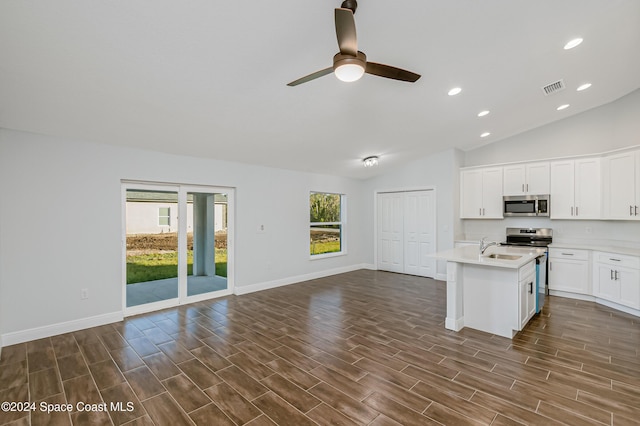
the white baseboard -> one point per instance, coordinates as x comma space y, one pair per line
246, 289
452, 324
59, 328
590, 298
618, 307
570, 295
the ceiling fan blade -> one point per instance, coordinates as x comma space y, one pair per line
346, 32
312, 76
388, 71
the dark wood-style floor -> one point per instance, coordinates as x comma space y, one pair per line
365, 348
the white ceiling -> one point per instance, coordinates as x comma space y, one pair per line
208, 78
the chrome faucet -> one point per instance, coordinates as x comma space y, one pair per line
484, 246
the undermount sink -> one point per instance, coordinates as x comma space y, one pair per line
503, 256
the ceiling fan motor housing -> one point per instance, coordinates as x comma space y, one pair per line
340, 59
350, 4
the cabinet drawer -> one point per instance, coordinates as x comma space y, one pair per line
617, 259
574, 254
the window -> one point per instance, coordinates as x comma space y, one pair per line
164, 218
326, 223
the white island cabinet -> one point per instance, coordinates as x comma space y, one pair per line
495, 295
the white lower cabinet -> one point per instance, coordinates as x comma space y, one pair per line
617, 278
569, 270
527, 293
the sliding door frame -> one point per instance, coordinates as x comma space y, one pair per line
181, 190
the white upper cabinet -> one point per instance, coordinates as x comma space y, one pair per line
481, 193
576, 189
526, 179
622, 186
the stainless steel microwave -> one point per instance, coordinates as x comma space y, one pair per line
526, 205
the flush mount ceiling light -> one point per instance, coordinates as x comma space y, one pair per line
370, 161
485, 134
573, 43
483, 113
454, 91
583, 87
561, 107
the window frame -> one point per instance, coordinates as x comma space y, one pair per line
168, 216
342, 226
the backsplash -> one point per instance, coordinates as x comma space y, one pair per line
605, 232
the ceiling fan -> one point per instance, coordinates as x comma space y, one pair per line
350, 64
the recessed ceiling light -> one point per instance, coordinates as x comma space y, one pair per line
573, 43
583, 87
561, 107
454, 91
485, 134
483, 113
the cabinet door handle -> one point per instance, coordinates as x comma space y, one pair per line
630, 210
636, 210
527, 187
567, 254
571, 210
616, 275
615, 260
611, 275
480, 211
531, 287
483, 213
551, 266
523, 187
576, 210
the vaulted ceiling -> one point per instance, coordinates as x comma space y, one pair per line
208, 78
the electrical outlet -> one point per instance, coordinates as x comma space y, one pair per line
84, 294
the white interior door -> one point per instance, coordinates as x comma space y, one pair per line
406, 232
426, 232
390, 225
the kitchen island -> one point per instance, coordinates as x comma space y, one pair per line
495, 292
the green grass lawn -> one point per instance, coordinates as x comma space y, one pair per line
158, 266
328, 247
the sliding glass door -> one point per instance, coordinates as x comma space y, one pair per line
176, 245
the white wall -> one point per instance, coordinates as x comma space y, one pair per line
61, 224
439, 171
609, 127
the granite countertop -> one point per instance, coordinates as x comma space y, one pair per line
597, 247
471, 255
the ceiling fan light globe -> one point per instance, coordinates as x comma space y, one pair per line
348, 67
349, 72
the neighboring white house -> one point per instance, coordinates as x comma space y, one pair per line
157, 213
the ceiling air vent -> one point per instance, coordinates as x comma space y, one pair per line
554, 87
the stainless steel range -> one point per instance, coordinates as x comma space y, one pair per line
534, 238
529, 237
